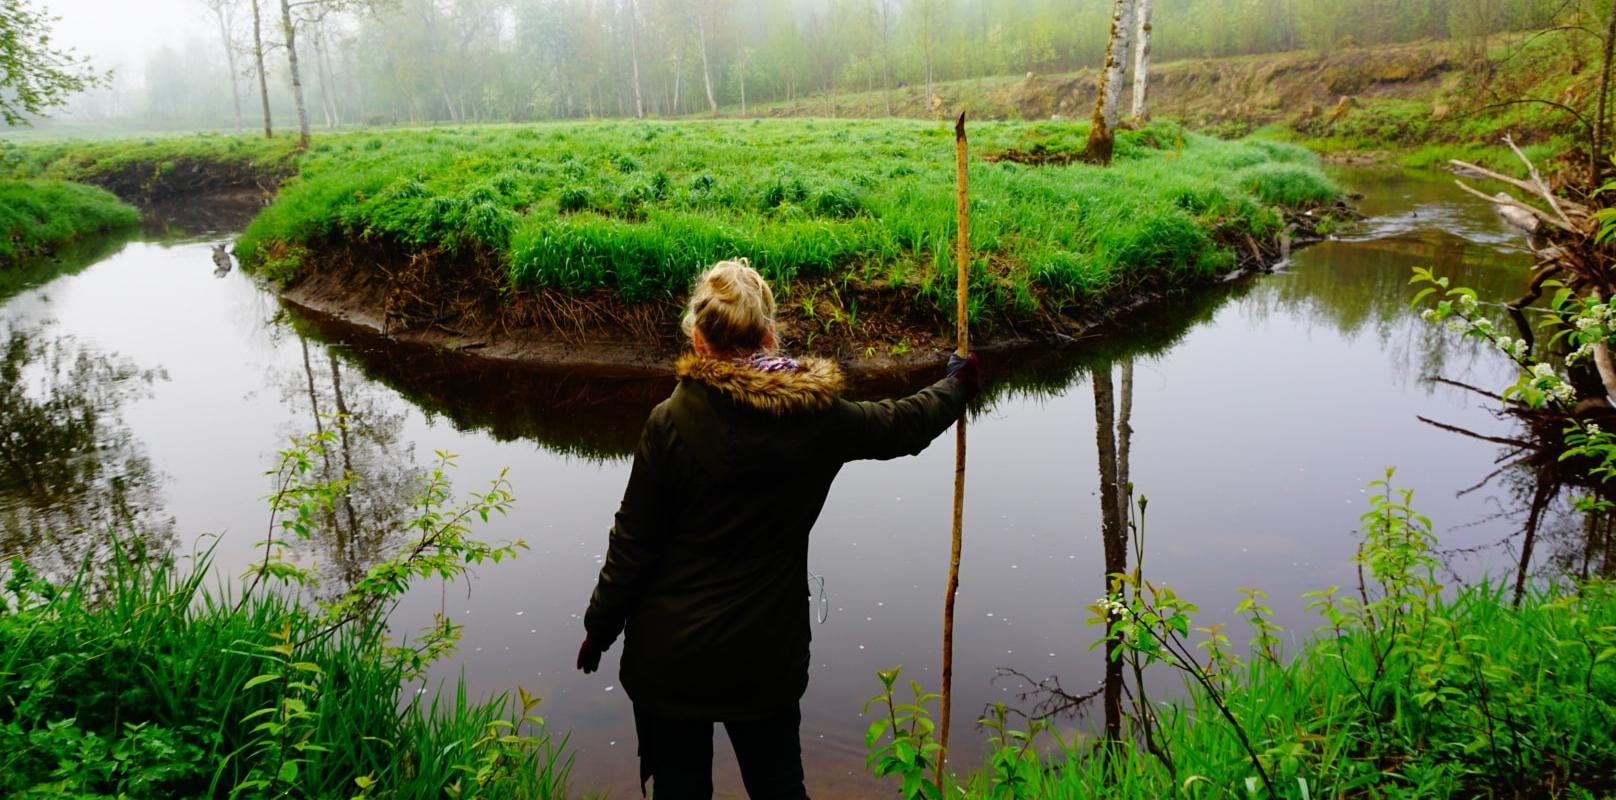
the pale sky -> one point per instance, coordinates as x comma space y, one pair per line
122, 33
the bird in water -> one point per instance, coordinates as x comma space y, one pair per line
221, 261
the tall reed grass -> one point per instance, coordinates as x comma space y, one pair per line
137, 682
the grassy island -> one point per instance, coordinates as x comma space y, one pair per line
637, 208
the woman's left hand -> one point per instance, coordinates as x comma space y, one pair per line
588, 656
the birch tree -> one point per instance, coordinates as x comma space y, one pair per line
224, 12
289, 33
1141, 63
706, 71
634, 58
263, 76
1108, 100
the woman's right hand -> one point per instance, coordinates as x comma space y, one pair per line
966, 371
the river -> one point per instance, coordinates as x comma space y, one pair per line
1260, 409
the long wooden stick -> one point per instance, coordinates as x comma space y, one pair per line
962, 257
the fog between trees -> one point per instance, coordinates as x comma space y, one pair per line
417, 61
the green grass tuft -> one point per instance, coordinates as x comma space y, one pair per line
37, 216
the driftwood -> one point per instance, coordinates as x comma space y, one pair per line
1562, 209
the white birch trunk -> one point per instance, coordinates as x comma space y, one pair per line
229, 60
290, 32
1108, 102
634, 59
263, 77
1141, 64
706, 72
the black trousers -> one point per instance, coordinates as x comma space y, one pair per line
676, 755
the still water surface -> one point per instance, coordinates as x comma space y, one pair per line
1259, 411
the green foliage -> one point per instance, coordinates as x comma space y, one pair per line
37, 76
36, 216
902, 743
1464, 692
604, 207
146, 684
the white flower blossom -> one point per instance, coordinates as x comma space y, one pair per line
1429, 315
1521, 350
1456, 325
1542, 371
1592, 428
1565, 392
1587, 324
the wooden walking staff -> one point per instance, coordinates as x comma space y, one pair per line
962, 258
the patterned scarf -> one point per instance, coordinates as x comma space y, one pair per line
763, 362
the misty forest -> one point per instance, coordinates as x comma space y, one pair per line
998, 399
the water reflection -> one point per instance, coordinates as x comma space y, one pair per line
366, 452
67, 260
71, 470
593, 417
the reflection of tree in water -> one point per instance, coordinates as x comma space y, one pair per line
366, 451
70, 468
1557, 508
1113, 437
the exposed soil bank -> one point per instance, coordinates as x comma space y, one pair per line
1247, 90
151, 183
464, 305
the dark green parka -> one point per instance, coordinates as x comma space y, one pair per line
708, 561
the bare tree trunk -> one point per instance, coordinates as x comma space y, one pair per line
218, 7
886, 54
634, 58
1141, 63
331, 76
290, 32
1108, 101
1112, 536
263, 77
1601, 119
706, 73
926, 18
327, 107
676, 86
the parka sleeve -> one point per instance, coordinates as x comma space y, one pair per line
638, 539
901, 427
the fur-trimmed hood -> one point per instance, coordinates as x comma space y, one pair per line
813, 386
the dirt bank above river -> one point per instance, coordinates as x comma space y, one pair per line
872, 328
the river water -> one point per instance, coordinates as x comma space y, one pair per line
148, 392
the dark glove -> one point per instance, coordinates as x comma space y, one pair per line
966, 371
588, 656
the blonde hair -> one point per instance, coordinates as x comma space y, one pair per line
732, 306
